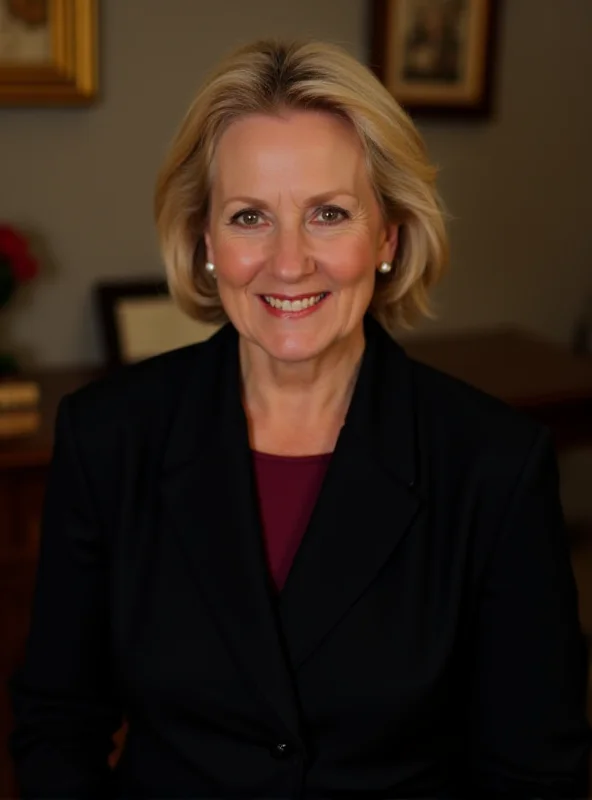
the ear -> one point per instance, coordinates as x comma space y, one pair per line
388, 249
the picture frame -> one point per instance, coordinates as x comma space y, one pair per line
48, 52
436, 57
139, 319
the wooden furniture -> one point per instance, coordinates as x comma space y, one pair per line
23, 464
23, 468
541, 378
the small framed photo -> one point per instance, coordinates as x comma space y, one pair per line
48, 52
139, 319
436, 56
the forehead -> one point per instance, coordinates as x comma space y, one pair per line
294, 148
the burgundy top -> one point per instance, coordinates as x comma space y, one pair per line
288, 487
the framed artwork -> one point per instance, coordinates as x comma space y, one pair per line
48, 52
139, 319
436, 56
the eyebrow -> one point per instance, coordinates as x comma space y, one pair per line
317, 199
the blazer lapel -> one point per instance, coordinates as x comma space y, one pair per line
366, 505
209, 496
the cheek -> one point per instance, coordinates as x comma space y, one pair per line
237, 263
350, 261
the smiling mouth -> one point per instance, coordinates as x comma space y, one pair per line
298, 304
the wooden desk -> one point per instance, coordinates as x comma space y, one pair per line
23, 465
540, 378
23, 469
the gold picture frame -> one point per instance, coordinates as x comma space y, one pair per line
48, 52
436, 56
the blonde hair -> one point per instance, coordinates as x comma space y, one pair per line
269, 77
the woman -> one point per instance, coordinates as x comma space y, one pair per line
298, 563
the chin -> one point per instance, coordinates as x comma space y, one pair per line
293, 349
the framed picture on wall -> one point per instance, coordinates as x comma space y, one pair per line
48, 52
139, 319
436, 56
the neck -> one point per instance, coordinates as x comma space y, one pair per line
311, 396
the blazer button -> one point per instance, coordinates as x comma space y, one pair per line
281, 750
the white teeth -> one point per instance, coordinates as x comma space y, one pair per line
293, 305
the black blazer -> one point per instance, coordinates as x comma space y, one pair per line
426, 643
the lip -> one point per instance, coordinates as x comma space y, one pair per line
305, 312
291, 297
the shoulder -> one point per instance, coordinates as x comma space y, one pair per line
145, 394
459, 406
482, 460
471, 428
446, 412
458, 431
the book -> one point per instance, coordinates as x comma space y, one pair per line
19, 423
16, 394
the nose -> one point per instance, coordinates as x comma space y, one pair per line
291, 259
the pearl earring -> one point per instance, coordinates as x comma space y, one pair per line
210, 267
385, 267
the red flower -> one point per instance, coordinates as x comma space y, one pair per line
24, 268
14, 247
12, 244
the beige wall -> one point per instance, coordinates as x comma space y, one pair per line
518, 186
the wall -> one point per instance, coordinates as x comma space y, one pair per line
517, 186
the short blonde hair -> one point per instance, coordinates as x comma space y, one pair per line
272, 76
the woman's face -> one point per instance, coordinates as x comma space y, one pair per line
295, 232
